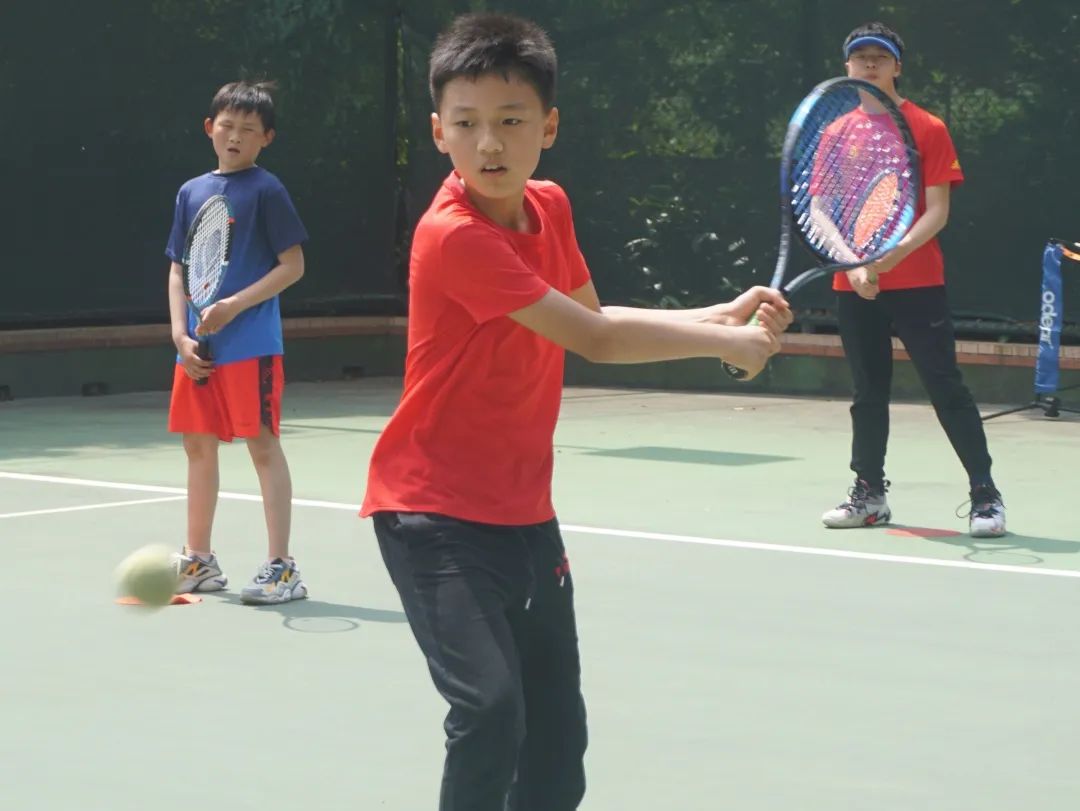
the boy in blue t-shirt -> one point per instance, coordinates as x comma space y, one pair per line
244, 381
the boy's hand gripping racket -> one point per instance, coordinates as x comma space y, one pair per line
849, 182
206, 259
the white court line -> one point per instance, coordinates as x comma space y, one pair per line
93, 506
828, 553
613, 533
155, 488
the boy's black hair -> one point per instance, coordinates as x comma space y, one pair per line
246, 97
875, 29
483, 44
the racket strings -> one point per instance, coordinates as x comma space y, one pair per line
209, 248
855, 189
879, 208
852, 187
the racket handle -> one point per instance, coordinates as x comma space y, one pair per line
733, 371
203, 351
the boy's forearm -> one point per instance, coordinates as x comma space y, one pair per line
631, 337
177, 306
278, 279
925, 229
695, 315
828, 235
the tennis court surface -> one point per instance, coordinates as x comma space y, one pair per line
736, 653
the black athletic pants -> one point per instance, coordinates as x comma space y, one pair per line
923, 323
492, 608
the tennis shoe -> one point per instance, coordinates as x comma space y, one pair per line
865, 507
194, 574
987, 516
277, 581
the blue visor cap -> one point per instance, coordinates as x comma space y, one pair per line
862, 42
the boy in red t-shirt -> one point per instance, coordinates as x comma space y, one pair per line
459, 486
905, 292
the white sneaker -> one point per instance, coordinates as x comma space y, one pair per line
277, 581
864, 507
987, 516
195, 574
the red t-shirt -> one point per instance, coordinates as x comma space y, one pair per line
939, 163
472, 434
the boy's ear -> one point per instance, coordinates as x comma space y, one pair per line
269, 135
437, 134
208, 126
551, 127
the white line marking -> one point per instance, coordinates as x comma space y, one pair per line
830, 553
93, 506
155, 488
611, 533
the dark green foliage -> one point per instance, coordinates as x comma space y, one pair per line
672, 117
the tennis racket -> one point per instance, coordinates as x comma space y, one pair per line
849, 182
206, 259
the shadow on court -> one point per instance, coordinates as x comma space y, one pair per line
1024, 550
316, 616
62, 427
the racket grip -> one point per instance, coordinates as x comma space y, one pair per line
733, 371
203, 351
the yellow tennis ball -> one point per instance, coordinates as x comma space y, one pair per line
148, 575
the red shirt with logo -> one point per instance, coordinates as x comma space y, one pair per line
925, 267
472, 436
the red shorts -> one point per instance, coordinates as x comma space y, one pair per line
237, 400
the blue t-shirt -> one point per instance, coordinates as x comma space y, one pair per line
266, 225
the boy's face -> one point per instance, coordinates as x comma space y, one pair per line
494, 130
874, 64
238, 138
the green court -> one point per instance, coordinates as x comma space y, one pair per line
736, 653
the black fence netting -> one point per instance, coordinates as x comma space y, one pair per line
672, 118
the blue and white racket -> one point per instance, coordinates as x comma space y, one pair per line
206, 260
849, 182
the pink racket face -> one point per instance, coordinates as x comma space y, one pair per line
877, 210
